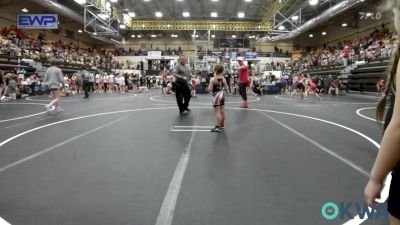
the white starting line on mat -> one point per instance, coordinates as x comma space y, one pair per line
326, 102
191, 128
3, 222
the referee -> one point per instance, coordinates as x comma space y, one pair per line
182, 89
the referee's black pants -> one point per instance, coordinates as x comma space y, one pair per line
182, 92
86, 87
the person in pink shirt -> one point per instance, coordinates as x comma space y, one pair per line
243, 72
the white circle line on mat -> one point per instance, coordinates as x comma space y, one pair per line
27, 116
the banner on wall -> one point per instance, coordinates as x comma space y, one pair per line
37, 21
154, 54
230, 55
250, 55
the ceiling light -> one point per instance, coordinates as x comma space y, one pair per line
313, 2
146, 0
94, 33
25, 10
233, 36
133, 35
80, 31
311, 35
113, 1
344, 24
294, 18
169, 25
159, 14
153, 35
80, 1
281, 27
126, 18
213, 36
241, 14
247, 0
122, 26
194, 35
139, 36
324, 33
214, 0
186, 14
131, 14
214, 14
179, 0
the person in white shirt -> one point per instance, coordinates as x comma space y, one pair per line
106, 81
111, 83
91, 82
97, 83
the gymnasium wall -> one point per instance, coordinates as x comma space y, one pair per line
188, 45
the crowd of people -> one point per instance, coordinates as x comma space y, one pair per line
378, 45
15, 42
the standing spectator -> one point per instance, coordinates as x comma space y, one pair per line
379, 87
148, 81
193, 84
126, 77
105, 81
346, 55
243, 72
164, 83
91, 82
228, 80
85, 79
327, 84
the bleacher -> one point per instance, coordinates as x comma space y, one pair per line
325, 70
11, 63
68, 68
364, 77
